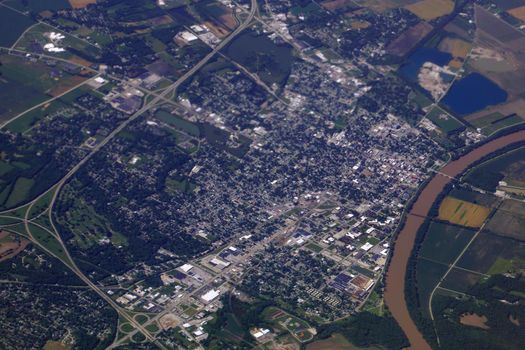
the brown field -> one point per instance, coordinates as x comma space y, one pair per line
431, 9
11, 245
78, 4
474, 320
408, 39
456, 47
359, 24
81, 61
518, 12
462, 212
56, 345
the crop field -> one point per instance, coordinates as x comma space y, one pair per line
409, 39
444, 121
461, 280
443, 243
486, 200
431, 9
462, 212
485, 251
428, 275
12, 25
509, 220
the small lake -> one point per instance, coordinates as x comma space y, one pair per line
473, 93
410, 70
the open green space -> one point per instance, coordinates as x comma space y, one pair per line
178, 122
28, 119
47, 240
73, 45
444, 121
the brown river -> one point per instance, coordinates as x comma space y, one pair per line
395, 277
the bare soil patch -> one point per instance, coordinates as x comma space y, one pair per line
474, 320
79, 4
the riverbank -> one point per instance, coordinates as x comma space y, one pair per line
404, 243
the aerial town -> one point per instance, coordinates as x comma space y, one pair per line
234, 174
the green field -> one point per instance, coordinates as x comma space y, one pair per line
12, 25
178, 122
29, 119
444, 121
509, 220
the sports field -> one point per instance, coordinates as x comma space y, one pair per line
462, 213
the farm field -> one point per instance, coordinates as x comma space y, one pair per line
460, 280
485, 254
428, 275
462, 213
31, 81
498, 117
509, 220
77, 4
431, 9
443, 243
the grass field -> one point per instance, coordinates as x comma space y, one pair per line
462, 212
37, 6
444, 121
431, 9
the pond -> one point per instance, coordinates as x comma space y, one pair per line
473, 93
